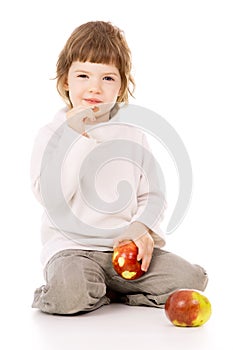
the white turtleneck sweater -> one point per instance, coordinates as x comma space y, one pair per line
93, 188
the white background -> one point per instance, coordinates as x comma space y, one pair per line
182, 55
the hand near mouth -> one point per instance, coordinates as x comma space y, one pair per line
77, 117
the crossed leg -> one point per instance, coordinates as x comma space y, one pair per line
74, 283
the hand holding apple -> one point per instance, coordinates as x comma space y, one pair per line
140, 234
125, 261
187, 308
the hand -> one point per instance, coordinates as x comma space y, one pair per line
139, 234
78, 116
145, 246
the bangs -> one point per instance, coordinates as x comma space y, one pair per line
96, 49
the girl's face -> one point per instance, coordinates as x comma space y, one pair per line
93, 84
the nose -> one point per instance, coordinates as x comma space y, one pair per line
94, 87
94, 90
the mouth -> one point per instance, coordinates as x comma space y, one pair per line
92, 101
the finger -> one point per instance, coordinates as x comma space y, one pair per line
82, 112
87, 114
141, 244
146, 261
95, 109
85, 134
76, 111
145, 255
145, 264
92, 116
141, 251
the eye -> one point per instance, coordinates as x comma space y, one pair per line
108, 78
83, 76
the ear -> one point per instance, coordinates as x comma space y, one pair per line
66, 86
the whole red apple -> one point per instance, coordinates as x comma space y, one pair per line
125, 262
187, 308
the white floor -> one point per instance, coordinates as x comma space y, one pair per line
117, 327
110, 327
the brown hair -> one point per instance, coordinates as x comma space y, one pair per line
96, 42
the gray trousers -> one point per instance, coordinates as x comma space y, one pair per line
80, 281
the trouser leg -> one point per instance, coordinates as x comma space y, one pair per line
167, 273
75, 283
77, 280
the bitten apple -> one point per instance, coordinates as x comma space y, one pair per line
125, 262
187, 308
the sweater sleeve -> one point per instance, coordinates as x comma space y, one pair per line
61, 150
150, 195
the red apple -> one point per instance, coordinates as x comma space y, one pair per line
187, 308
125, 262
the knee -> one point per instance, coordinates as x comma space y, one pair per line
65, 299
71, 291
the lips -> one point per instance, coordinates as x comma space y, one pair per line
92, 101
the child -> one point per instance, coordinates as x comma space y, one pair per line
93, 76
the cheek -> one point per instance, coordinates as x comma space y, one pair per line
119, 90
74, 92
115, 92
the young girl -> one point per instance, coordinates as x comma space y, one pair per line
89, 171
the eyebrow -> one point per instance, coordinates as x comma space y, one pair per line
87, 72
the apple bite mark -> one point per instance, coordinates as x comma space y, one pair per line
128, 275
178, 324
121, 261
115, 255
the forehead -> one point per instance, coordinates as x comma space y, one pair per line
91, 67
